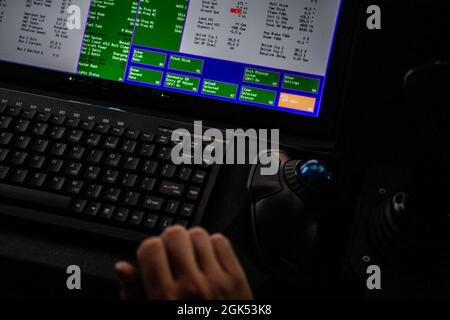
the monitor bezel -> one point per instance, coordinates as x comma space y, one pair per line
324, 126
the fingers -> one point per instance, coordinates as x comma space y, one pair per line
238, 286
155, 269
204, 251
180, 252
183, 264
225, 255
130, 281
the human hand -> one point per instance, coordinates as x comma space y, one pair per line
182, 264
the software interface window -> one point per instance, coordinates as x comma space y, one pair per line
266, 53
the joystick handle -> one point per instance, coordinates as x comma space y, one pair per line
285, 215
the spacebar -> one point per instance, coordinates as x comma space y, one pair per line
34, 197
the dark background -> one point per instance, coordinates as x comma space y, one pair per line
414, 32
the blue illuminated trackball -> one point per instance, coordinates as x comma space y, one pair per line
315, 174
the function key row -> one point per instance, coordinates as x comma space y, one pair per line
87, 125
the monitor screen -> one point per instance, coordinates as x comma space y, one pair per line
264, 53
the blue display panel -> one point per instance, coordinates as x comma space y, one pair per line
271, 54
263, 84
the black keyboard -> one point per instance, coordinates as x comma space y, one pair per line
95, 169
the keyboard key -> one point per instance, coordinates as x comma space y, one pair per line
57, 132
75, 187
95, 156
18, 158
92, 173
136, 218
93, 139
185, 174
107, 211
150, 221
199, 177
132, 134
40, 145
39, 129
111, 143
163, 139
36, 162
93, 191
43, 116
171, 189
21, 125
72, 122
78, 206
117, 131
147, 184
22, 142
55, 165
131, 198
121, 215
56, 183
110, 176
28, 114
129, 180
77, 153
147, 137
87, 125
37, 179
5, 138
168, 170
75, 136
147, 150
93, 209
150, 167
187, 210
153, 203
164, 223
58, 120
131, 163
129, 146
5, 122
18, 175
3, 172
172, 207
112, 194
165, 153
58, 149
102, 128
113, 160
13, 111
3, 154
74, 168
193, 193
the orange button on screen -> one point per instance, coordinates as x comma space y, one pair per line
292, 101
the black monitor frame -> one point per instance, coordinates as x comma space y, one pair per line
323, 127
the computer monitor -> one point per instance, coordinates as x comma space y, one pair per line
270, 54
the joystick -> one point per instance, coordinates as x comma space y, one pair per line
285, 214
412, 222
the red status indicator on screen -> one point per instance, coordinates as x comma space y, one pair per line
236, 10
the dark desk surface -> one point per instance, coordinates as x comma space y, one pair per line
34, 258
